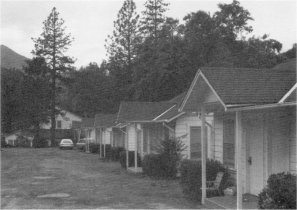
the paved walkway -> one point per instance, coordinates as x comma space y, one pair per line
53, 178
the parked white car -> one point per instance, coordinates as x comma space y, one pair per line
66, 144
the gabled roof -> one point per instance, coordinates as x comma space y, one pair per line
105, 120
250, 86
243, 86
142, 111
87, 122
173, 113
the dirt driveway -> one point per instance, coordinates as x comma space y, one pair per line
51, 178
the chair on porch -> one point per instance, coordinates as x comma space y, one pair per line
215, 184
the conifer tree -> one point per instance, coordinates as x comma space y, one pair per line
121, 46
153, 18
51, 45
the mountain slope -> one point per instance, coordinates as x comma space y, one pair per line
11, 59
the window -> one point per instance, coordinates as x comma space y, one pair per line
229, 143
59, 124
195, 142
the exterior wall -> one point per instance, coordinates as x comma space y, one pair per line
218, 137
66, 121
118, 137
293, 163
279, 134
182, 131
131, 132
106, 136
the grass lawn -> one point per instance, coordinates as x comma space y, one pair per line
82, 180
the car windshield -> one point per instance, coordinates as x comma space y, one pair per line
67, 141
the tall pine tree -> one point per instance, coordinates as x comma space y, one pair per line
51, 45
153, 18
122, 48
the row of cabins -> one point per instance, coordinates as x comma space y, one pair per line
244, 118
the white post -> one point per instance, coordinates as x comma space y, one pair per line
135, 151
104, 148
100, 140
238, 131
127, 147
148, 140
203, 154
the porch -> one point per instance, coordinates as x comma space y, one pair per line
135, 170
230, 202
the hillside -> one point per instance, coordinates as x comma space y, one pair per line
11, 59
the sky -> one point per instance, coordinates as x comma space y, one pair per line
91, 21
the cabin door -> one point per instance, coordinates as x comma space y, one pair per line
255, 163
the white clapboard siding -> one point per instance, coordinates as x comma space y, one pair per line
131, 137
106, 137
293, 163
218, 138
182, 129
280, 142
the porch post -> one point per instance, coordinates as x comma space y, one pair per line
203, 154
148, 141
104, 152
238, 131
127, 148
100, 140
135, 149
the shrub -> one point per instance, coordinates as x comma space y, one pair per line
23, 142
191, 175
115, 153
40, 142
280, 192
131, 159
166, 162
153, 166
94, 148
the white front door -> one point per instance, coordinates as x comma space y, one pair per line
255, 163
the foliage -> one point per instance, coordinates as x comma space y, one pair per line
36, 93
91, 97
40, 142
152, 166
11, 103
94, 148
280, 192
153, 18
130, 158
191, 176
51, 45
165, 164
115, 153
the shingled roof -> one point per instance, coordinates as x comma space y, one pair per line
172, 113
105, 120
250, 86
87, 122
141, 111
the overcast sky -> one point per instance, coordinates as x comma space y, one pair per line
91, 21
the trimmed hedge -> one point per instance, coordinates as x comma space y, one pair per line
191, 175
280, 193
131, 159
